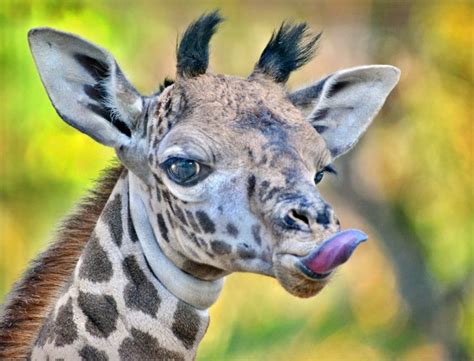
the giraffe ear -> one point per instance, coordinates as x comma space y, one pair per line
341, 106
86, 86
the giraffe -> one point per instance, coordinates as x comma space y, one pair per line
217, 174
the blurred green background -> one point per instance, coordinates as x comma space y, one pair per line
408, 293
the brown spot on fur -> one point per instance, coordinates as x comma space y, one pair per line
162, 227
143, 346
256, 234
95, 266
232, 230
245, 251
206, 223
89, 353
139, 293
251, 185
101, 313
27, 305
186, 324
64, 328
179, 214
113, 217
169, 218
166, 196
192, 222
220, 247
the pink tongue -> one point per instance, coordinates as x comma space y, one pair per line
334, 251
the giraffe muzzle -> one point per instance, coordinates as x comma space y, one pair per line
304, 275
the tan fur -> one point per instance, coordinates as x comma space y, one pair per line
224, 115
28, 303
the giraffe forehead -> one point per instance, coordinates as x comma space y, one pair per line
225, 99
211, 88
233, 114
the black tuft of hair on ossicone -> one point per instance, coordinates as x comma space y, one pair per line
193, 49
291, 47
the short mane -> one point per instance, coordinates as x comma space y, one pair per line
29, 302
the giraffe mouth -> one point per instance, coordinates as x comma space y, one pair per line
305, 276
332, 253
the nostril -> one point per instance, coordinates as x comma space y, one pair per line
323, 217
297, 219
299, 216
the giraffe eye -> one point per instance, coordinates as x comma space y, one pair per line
319, 177
182, 170
185, 172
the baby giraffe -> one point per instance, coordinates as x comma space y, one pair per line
218, 174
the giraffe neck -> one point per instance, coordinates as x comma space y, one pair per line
118, 304
196, 292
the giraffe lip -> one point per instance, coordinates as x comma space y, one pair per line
310, 274
333, 252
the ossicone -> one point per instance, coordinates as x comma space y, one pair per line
289, 48
193, 48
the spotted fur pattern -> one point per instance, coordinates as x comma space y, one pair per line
113, 307
28, 304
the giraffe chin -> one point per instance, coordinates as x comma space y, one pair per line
306, 276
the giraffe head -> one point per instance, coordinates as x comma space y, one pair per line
228, 167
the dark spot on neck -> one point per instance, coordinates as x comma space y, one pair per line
139, 294
65, 328
101, 313
95, 265
112, 216
90, 353
186, 324
142, 346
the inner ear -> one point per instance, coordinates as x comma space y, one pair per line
342, 105
102, 92
86, 86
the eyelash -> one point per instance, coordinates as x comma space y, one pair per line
327, 169
330, 169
